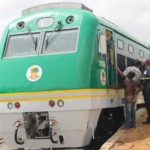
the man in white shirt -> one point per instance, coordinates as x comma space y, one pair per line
134, 68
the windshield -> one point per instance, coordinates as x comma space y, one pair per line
20, 45
60, 41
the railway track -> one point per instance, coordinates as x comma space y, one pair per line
96, 146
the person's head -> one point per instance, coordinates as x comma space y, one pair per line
109, 35
131, 75
137, 63
146, 63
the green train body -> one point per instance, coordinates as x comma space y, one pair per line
79, 70
60, 71
79, 76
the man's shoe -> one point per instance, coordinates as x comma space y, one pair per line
146, 122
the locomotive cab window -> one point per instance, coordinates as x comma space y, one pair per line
141, 53
21, 45
120, 44
63, 41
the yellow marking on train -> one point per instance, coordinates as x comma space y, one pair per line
57, 98
63, 91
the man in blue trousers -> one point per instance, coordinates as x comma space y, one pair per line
146, 91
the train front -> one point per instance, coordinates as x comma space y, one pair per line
45, 70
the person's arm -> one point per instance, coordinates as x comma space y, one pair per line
110, 47
143, 79
148, 76
139, 89
117, 87
120, 72
111, 56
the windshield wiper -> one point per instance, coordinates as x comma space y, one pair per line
33, 39
56, 28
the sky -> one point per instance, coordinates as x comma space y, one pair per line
132, 16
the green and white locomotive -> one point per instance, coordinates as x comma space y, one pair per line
54, 74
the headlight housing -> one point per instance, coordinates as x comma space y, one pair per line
70, 19
10, 105
60, 103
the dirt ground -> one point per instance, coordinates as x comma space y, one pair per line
135, 138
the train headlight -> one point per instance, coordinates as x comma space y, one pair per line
10, 105
70, 19
20, 25
45, 22
60, 103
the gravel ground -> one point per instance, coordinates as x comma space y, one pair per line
135, 138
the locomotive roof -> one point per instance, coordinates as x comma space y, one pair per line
119, 30
80, 7
55, 5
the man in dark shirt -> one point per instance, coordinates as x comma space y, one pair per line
146, 91
110, 47
130, 92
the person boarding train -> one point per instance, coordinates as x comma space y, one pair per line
130, 92
110, 46
134, 68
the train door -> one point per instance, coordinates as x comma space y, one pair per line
105, 54
111, 68
102, 50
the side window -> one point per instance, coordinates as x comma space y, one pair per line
130, 49
120, 44
141, 53
130, 62
102, 44
121, 65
